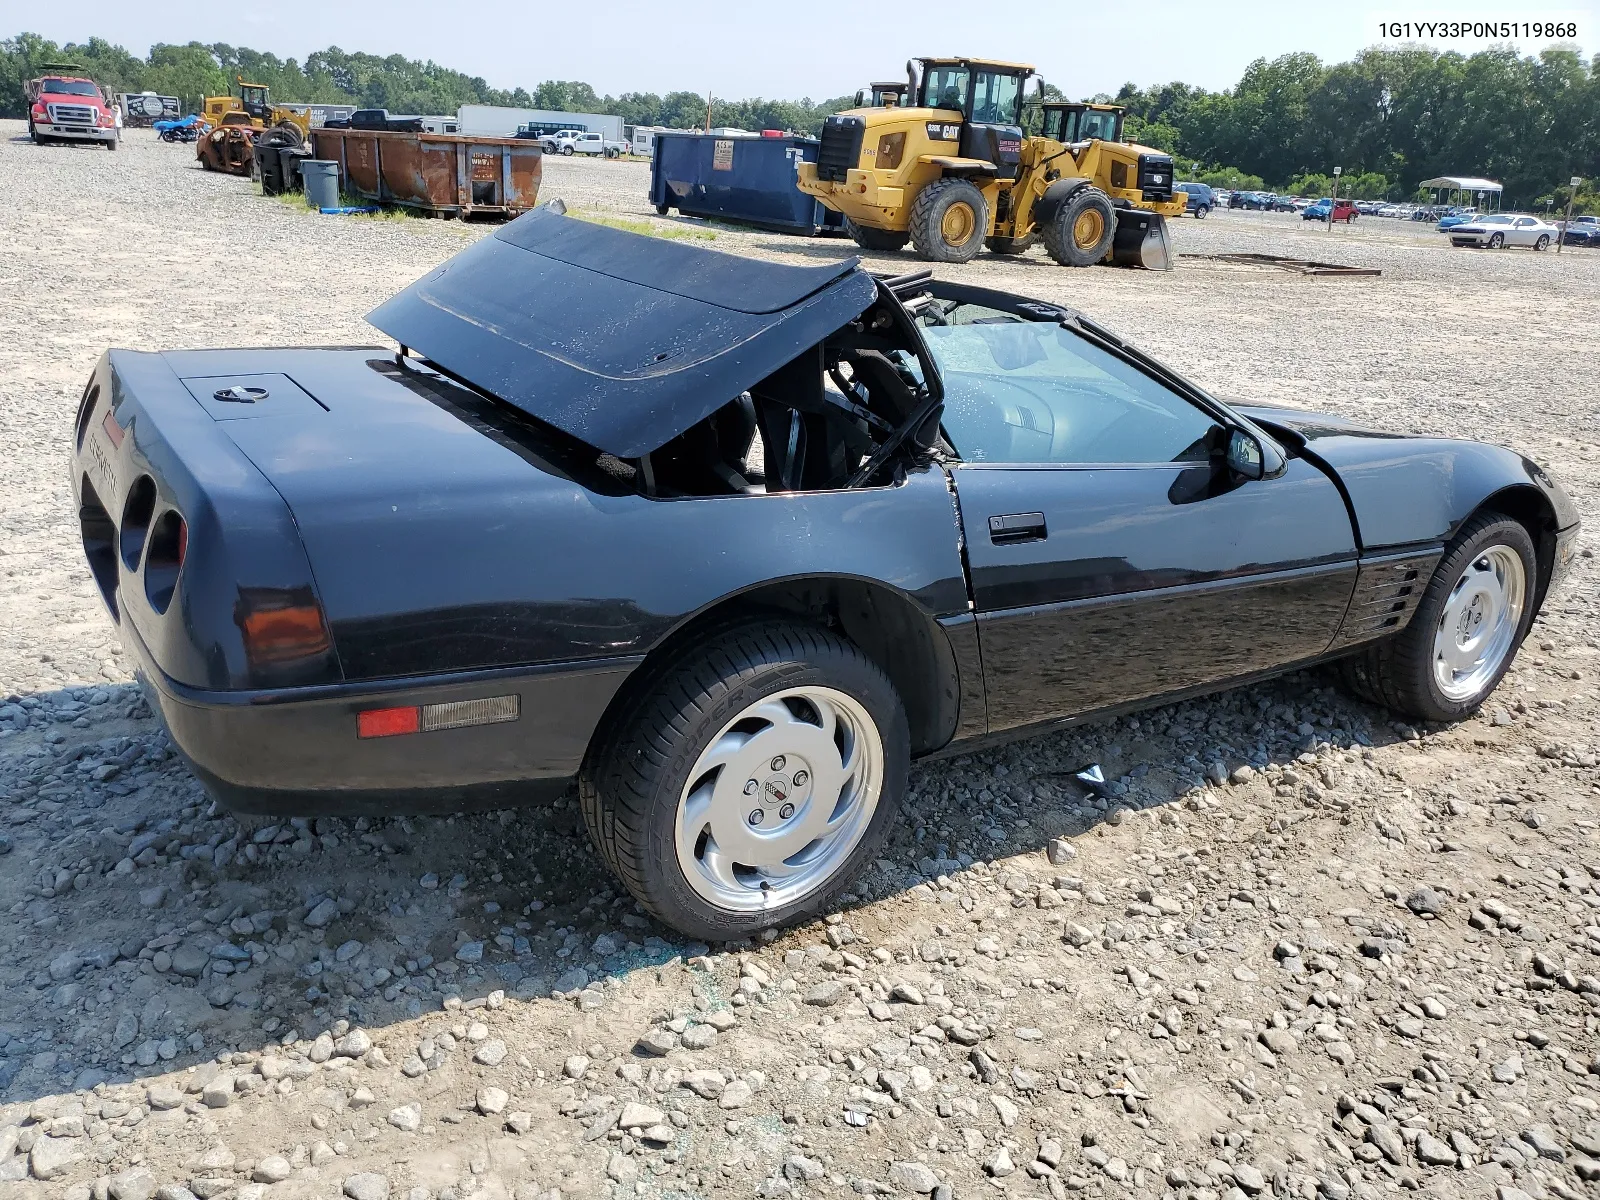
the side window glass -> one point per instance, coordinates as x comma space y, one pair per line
1035, 392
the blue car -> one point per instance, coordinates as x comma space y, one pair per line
1456, 216
1201, 199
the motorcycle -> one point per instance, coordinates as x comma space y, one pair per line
188, 129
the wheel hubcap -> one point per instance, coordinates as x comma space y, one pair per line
1086, 230
1478, 626
958, 223
777, 802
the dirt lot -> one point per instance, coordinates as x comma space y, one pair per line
1305, 950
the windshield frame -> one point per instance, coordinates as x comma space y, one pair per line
69, 87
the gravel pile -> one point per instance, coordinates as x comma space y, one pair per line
1291, 948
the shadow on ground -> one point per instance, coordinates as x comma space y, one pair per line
150, 931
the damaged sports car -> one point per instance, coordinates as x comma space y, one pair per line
728, 544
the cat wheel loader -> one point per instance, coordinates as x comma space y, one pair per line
951, 171
229, 145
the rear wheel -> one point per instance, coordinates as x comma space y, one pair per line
751, 781
948, 220
1201, 213
1543, 243
566, 149
1468, 625
868, 238
1079, 233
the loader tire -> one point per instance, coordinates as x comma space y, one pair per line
1080, 232
948, 221
869, 238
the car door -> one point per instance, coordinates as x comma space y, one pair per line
1114, 556
1522, 232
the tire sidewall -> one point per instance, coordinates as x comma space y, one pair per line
838, 667
950, 193
1501, 532
1067, 215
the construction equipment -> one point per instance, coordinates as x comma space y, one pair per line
882, 95
952, 171
236, 121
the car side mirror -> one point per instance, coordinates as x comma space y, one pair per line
1251, 456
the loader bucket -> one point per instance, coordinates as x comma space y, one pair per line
1141, 240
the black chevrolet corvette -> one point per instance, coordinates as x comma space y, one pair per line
730, 543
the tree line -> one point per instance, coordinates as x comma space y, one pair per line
1389, 118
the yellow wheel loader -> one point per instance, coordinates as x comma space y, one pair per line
951, 171
229, 145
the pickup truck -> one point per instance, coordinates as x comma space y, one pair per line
570, 141
66, 108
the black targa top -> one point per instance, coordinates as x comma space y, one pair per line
621, 340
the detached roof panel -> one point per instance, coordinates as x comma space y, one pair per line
621, 340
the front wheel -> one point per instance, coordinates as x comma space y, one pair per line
1080, 231
1468, 625
747, 785
948, 220
1543, 243
1496, 241
882, 240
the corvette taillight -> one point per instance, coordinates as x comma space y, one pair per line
274, 636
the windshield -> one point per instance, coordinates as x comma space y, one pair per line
1494, 220
1096, 124
994, 98
70, 87
947, 87
1035, 391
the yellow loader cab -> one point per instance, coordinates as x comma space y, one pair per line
951, 171
1141, 176
882, 95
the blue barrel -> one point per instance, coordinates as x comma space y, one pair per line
749, 180
321, 177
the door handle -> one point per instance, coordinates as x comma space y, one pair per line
1014, 528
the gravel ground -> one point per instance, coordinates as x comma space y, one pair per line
1300, 950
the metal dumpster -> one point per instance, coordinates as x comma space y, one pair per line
435, 172
750, 180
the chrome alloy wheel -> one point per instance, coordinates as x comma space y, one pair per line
780, 798
1478, 626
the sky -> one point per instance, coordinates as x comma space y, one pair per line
786, 52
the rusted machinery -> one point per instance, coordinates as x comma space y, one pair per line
442, 173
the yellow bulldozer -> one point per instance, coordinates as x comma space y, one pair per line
235, 121
952, 170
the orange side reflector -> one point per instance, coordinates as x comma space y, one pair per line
388, 722
284, 635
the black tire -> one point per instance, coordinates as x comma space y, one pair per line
663, 209
939, 230
637, 769
1397, 672
112, 145
566, 150
1543, 243
884, 241
1008, 246
1496, 241
1065, 232
1202, 212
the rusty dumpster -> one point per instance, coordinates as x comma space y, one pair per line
435, 172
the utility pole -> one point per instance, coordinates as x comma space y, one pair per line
1567, 220
1334, 200
708, 112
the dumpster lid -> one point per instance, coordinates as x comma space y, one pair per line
619, 339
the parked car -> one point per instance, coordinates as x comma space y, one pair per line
1582, 231
1201, 200
551, 143
69, 108
579, 142
1504, 229
495, 562
1456, 216
1342, 210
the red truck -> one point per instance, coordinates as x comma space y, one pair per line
69, 108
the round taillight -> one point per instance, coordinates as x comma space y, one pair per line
169, 542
